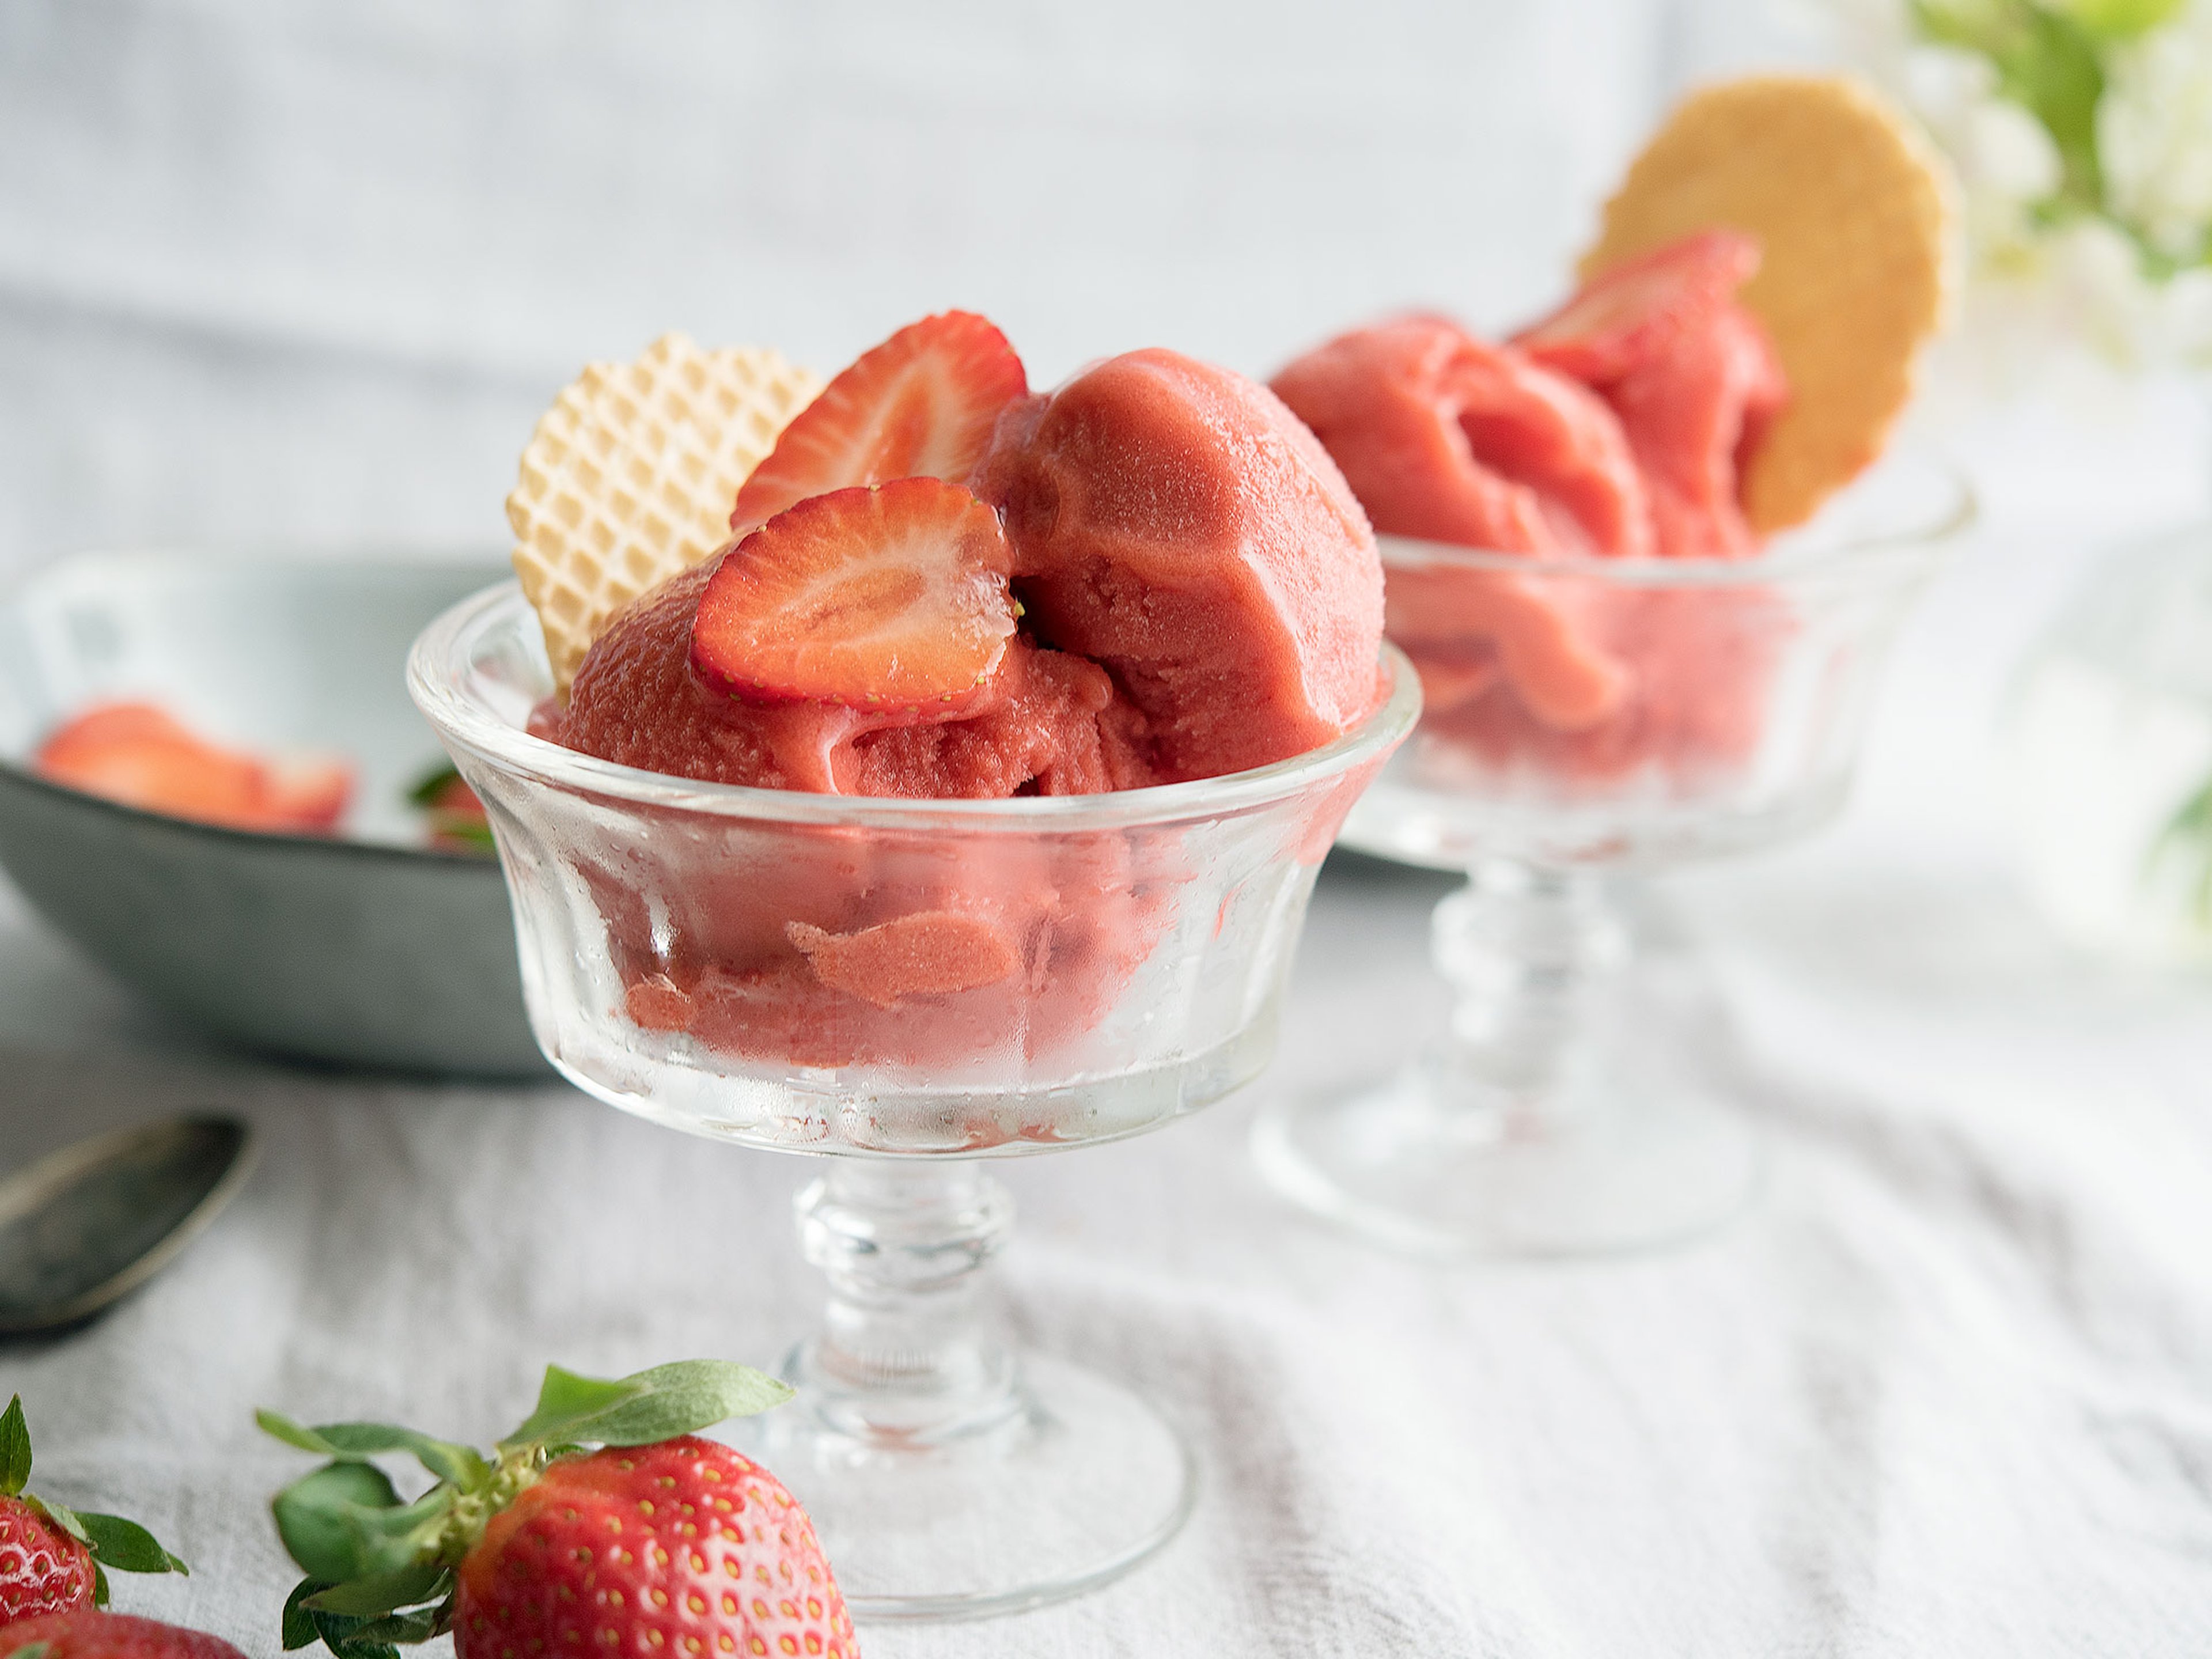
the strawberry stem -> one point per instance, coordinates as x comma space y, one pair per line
517, 1470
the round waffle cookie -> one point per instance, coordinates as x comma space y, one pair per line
1852, 211
630, 476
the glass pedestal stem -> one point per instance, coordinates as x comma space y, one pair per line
1535, 957
1568, 1107
904, 1358
946, 1476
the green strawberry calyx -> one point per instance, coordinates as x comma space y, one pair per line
382, 1571
109, 1540
451, 810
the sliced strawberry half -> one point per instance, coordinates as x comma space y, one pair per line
921, 404
892, 596
1624, 318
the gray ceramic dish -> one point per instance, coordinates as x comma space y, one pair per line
369, 950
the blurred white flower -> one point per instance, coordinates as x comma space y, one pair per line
2154, 133
2097, 281
2004, 161
1875, 34
2048, 275
1943, 84
2006, 151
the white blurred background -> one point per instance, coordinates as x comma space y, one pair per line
276, 272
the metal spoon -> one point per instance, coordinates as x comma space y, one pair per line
93, 1222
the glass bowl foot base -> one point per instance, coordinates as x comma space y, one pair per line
1076, 1482
946, 1477
1575, 1104
1407, 1164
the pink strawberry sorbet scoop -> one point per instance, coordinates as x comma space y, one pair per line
1174, 523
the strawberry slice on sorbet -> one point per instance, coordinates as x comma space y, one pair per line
921, 404
889, 596
1624, 318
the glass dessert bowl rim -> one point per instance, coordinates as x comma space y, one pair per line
1786, 559
441, 649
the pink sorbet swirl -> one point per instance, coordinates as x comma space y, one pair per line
1616, 428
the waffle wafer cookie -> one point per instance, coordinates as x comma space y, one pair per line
1852, 210
630, 477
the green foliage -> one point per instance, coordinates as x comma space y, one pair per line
382, 1593
2188, 836
2046, 61
323, 1519
462, 1465
434, 784
450, 824
346, 1635
126, 1546
299, 1626
564, 1398
2120, 20
2051, 59
652, 1406
15, 1448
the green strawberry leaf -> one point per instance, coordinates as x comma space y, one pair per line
284, 1428
683, 1398
344, 1637
15, 1448
565, 1400
315, 1517
435, 783
33, 1650
99, 1585
388, 1540
386, 1592
657, 1404
419, 1625
472, 833
461, 1465
299, 1630
126, 1546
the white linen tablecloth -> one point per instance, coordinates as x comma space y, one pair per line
1946, 1390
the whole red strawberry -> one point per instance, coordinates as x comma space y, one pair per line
90, 1635
658, 1544
42, 1568
668, 1548
52, 1558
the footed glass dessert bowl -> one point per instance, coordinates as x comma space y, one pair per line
1591, 721
907, 987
